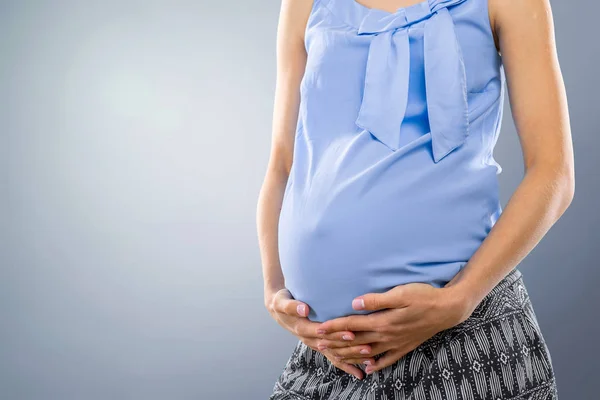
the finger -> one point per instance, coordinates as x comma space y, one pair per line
348, 368
342, 337
351, 369
286, 304
354, 352
312, 343
359, 338
389, 358
379, 301
356, 361
349, 323
305, 328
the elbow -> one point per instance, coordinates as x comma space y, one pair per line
564, 184
566, 178
561, 177
569, 191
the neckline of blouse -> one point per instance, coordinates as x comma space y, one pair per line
354, 13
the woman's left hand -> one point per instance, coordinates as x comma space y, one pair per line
405, 317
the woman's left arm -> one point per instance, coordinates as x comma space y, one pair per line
411, 313
525, 34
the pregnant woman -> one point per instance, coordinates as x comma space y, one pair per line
384, 246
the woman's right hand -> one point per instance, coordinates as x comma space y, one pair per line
292, 315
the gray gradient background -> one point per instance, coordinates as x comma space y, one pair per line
135, 136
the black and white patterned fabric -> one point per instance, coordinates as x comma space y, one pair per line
498, 353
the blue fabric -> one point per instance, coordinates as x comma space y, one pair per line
393, 179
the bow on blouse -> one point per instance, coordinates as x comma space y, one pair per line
387, 75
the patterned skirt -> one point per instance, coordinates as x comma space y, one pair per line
497, 353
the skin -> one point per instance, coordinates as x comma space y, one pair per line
409, 314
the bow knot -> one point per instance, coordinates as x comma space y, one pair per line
378, 21
385, 93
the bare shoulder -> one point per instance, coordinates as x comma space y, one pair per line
536, 89
294, 16
520, 19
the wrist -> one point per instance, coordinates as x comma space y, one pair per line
462, 302
269, 293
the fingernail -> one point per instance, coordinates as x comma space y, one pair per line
358, 376
322, 347
346, 337
369, 369
358, 304
367, 362
320, 331
301, 309
364, 351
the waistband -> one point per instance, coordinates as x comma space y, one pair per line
513, 276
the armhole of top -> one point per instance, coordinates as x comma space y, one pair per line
488, 23
313, 8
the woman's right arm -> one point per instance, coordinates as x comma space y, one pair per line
291, 60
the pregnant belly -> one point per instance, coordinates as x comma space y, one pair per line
335, 245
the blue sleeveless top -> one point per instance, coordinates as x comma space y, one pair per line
393, 179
